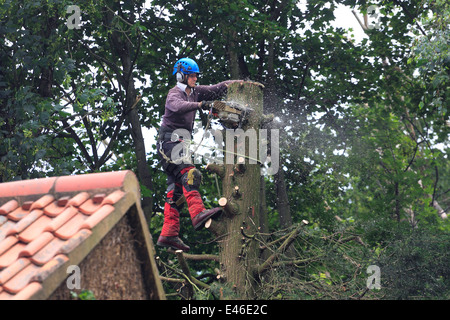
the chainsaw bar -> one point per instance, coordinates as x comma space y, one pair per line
230, 114
226, 107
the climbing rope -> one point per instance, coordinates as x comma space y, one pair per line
187, 157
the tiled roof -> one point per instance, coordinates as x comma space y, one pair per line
44, 222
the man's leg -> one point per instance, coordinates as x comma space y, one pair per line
171, 226
191, 178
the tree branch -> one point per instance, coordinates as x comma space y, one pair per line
217, 169
200, 257
229, 206
87, 125
294, 262
187, 272
100, 59
269, 261
176, 280
80, 144
216, 228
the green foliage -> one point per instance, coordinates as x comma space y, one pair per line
82, 295
414, 266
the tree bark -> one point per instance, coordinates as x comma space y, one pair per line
283, 207
239, 258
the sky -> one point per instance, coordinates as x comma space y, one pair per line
345, 19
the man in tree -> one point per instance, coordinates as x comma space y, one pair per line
183, 178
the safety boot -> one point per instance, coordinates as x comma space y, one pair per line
200, 219
173, 242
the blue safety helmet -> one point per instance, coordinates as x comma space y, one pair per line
185, 66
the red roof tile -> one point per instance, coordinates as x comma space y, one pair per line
42, 202
13, 269
48, 251
35, 229
18, 214
9, 206
7, 243
27, 292
42, 221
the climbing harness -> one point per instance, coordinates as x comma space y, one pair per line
231, 115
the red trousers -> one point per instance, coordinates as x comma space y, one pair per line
171, 225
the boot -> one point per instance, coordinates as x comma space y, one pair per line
200, 219
173, 242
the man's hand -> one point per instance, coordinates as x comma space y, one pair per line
206, 105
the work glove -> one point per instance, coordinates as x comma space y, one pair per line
206, 105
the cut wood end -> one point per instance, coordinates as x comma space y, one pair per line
223, 202
236, 192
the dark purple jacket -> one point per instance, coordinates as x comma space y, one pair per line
181, 109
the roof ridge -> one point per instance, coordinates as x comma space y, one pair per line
24, 190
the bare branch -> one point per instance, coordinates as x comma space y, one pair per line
184, 266
200, 257
269, 261
176, 280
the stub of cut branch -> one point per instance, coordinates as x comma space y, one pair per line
216, 228
236, 193
230, 207
219, 275
239, 167
217, 169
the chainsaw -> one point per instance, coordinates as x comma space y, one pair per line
230, 114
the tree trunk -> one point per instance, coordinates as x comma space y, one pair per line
283, 207
272, 102
238, 253
124, 50
143, 169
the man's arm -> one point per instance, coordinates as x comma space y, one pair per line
213, 92
176, 103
